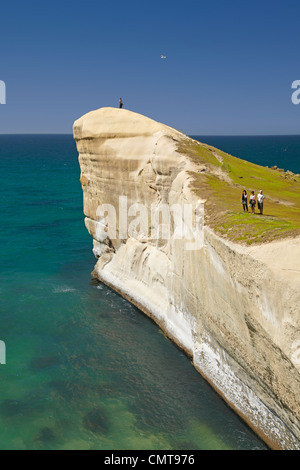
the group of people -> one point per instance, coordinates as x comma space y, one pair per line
252, 201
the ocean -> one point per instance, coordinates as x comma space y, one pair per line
84, 368
281, 151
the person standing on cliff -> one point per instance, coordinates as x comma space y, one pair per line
120, 103
260, 202
252, 202
245, 200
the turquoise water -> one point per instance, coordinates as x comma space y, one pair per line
85, 369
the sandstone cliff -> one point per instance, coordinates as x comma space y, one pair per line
233, 308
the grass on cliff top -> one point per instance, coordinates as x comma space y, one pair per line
220, 180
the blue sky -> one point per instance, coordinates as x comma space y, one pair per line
229, 68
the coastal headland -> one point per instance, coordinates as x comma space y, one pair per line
231, 302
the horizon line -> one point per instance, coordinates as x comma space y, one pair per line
189, 135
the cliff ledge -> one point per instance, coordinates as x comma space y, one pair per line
231, 299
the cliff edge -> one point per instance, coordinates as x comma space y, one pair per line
165, 216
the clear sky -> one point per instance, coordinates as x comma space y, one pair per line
229, 64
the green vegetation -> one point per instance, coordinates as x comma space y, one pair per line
220, 180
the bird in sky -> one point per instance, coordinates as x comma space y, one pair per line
162, 56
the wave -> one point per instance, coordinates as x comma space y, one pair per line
63, 289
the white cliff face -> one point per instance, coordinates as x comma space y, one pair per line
234, 310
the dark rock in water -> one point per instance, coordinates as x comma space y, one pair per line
69, 390
45, 435
44, 362
15, 409
94, 282
12, 409
96, 421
